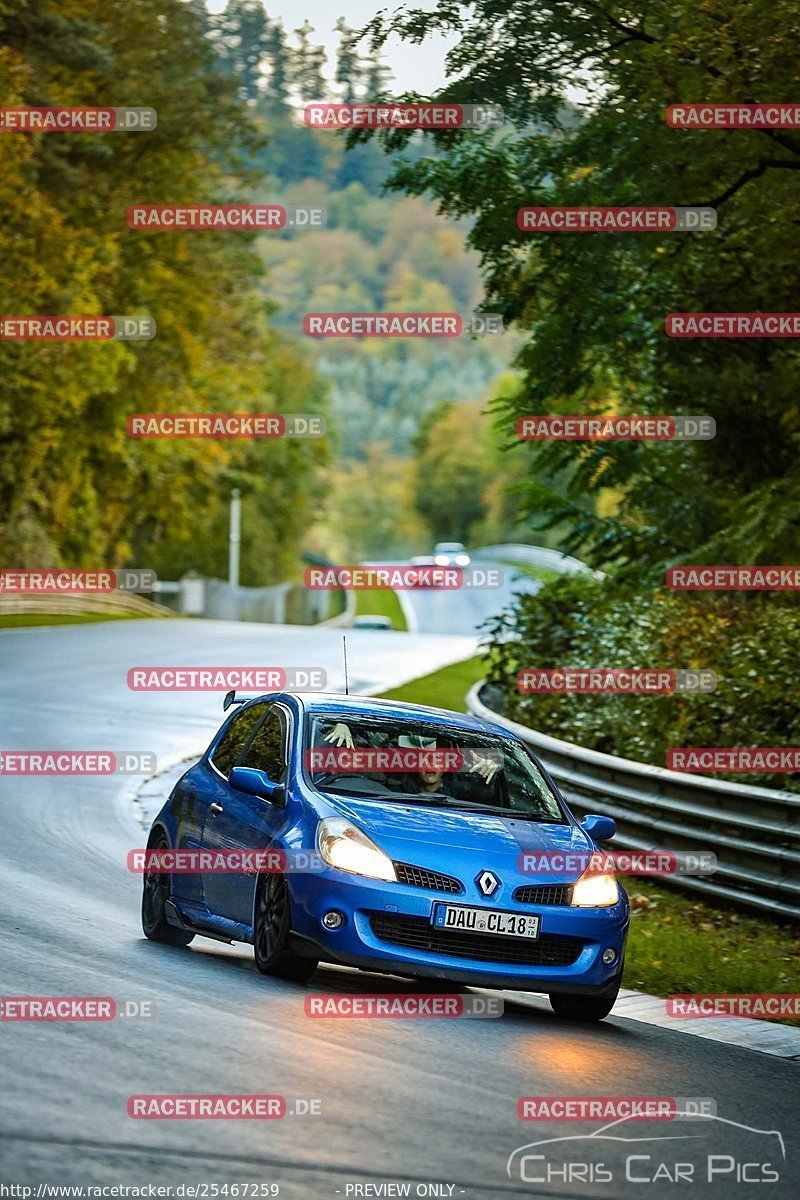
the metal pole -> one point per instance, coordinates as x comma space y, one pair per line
234, 538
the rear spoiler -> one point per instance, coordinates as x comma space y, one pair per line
231, 698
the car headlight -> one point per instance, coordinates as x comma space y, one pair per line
344, 846
462, 560
442, 560
595, 890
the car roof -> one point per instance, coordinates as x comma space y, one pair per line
340, 704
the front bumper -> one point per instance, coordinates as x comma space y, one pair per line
375, 912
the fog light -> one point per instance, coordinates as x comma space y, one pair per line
333, 919
609, 955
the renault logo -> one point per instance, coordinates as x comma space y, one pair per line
488, 883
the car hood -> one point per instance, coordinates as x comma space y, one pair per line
414, 833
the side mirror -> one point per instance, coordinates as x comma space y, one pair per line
599, 829
256, 783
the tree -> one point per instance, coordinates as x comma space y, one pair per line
308, 66
74, 489
453, 470
244, 38
279, 59
377, 76
592, 307
348, 62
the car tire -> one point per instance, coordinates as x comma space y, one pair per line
271, 929
571, 1007
156, 891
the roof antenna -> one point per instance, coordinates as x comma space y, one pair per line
344, 646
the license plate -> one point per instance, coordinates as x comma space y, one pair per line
485, 920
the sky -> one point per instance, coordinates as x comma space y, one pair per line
415, 68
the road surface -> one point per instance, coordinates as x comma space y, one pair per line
443, 611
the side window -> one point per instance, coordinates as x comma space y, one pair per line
235, 737
266, 751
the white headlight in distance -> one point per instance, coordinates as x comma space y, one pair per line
462, 560
442, 560
343, 845
595, 890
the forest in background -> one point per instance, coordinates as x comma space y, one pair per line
229, 90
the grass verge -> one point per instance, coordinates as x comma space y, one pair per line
445, 688
381, 602
545, 574
677, 944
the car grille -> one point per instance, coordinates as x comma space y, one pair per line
417, 934
435, 881
544, 894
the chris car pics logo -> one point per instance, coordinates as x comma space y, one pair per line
695, 1147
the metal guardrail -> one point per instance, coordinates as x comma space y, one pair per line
754, 831
537, 556
59, 604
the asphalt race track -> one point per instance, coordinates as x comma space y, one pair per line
443, 611
418, 1102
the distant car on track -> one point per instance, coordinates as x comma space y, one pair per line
451, 554
370, 621
416, 873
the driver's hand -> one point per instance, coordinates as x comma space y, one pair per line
340, 735
486, 768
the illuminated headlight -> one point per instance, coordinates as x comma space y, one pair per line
462, 560
595, 890
442, 560
344, 846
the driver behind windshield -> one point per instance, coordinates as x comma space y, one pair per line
492, 774
423, 781
448, 783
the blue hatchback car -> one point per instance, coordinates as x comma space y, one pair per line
414, 872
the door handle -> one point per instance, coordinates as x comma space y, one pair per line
215, 807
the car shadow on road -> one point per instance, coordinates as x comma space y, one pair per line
215, 961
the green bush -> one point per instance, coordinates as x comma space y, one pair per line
752, 642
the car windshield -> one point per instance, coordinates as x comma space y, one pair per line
394, 758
